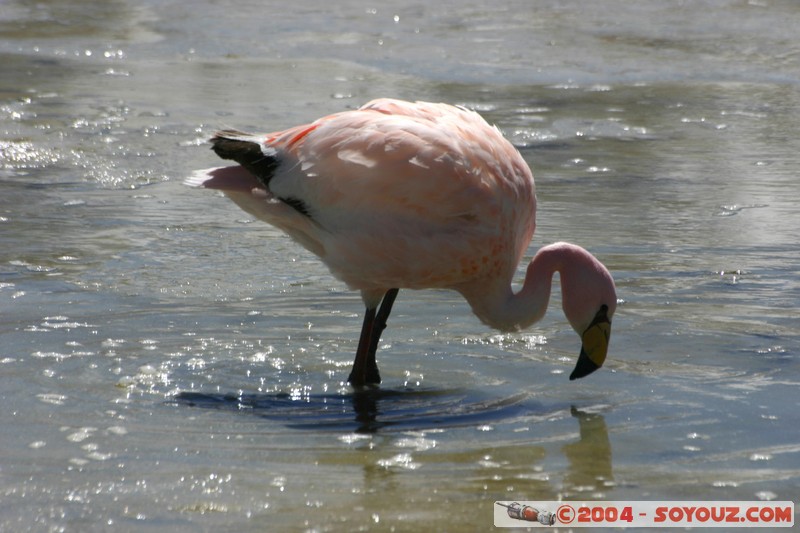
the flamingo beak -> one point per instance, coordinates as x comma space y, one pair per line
595, 345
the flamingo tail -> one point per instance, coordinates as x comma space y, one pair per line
259, 159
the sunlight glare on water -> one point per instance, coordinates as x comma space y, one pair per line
168, 363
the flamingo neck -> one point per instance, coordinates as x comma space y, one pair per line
498, 306
584, 284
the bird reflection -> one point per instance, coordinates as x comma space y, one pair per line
365, 407
590, 456
504, 463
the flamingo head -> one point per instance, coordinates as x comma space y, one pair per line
594, 347
589, 303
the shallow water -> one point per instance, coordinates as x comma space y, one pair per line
168, 363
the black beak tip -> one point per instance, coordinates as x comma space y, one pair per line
584, 367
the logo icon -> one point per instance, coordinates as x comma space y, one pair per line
529, 514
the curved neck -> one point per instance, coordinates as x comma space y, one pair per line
497, 305
585, 285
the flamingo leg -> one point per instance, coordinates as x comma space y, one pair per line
365, 366
377, 328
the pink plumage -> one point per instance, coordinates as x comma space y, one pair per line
413, 195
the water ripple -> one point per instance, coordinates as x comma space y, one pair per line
371, 410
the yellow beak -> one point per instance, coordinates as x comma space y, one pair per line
595, 345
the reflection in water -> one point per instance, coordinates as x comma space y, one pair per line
590, 457
374, 411
365, 406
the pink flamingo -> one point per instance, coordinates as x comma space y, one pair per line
415, 195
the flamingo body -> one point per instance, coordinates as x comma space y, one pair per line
409, 195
